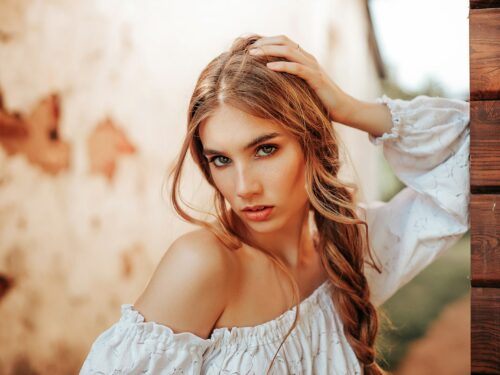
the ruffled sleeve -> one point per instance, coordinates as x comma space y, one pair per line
428, 150
132, 346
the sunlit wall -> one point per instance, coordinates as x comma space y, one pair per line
93, 113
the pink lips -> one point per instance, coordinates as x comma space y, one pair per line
260, 215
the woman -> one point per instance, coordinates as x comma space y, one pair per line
259, 128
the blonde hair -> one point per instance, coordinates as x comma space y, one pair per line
243, 81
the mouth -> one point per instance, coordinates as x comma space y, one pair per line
257, 213
255, 208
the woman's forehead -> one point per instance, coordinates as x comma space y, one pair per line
229, 124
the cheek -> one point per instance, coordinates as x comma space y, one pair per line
225, 183
286, 175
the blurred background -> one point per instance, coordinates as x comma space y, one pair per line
93, 100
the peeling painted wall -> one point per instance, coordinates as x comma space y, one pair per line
94, 95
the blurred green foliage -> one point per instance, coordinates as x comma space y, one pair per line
419, 302
430, 87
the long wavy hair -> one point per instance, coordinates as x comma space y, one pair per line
243, 81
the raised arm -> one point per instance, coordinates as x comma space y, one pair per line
428, 149
374, 118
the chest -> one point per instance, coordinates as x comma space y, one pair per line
264, 292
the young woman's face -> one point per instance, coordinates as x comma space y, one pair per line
254, 161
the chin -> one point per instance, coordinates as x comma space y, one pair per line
267, 226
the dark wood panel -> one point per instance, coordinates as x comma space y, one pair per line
478, 4
485, 330
484, 48
485, 241
485, 143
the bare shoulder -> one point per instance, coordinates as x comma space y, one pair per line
200, 250
191, 285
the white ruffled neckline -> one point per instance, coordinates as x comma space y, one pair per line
276, 328
264, 333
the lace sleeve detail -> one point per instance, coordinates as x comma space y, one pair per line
134, 346
428, 150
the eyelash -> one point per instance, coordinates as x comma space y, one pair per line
275, 148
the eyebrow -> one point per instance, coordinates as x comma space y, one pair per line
256, 141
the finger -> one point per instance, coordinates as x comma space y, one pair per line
292, 54
282, 40
277, 39
299, 70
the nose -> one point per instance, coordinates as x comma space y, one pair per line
247, 184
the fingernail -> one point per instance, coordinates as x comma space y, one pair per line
255, 51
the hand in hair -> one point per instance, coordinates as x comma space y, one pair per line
373, 118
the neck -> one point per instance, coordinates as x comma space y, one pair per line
292, 244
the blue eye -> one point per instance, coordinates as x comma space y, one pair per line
268, 149
217, 157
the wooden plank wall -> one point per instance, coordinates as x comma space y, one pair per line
484, 22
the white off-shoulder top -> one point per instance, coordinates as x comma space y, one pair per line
428, 149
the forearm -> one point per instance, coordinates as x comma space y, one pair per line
373, 118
